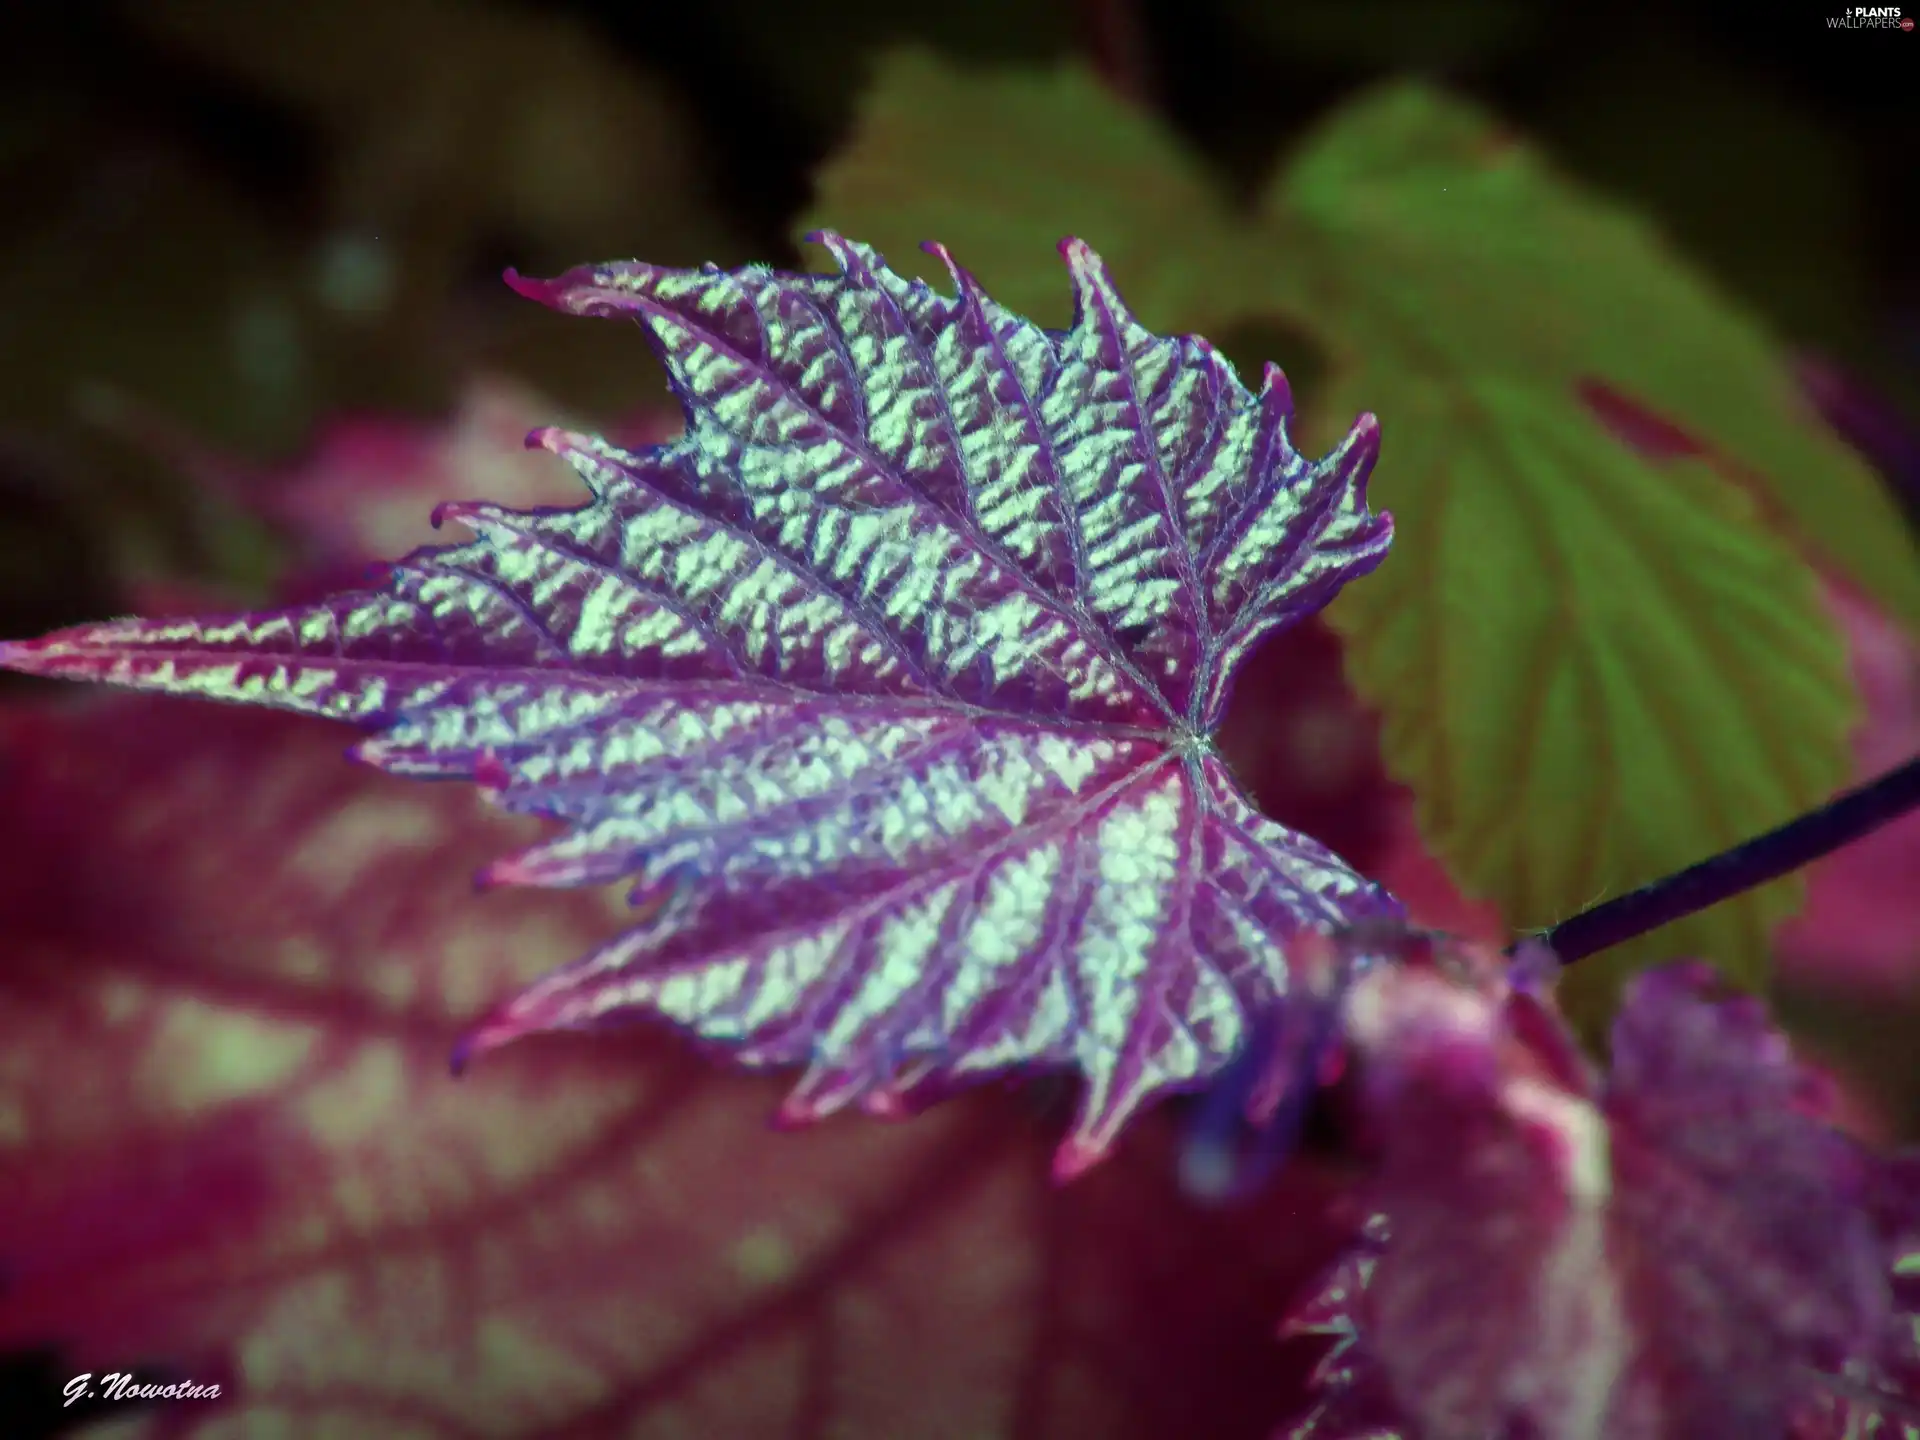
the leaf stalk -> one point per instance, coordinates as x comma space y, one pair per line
1780, 851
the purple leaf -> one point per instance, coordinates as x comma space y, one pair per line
1875, 1395
1683, 1248
889, 686
1351, 1398
234, 967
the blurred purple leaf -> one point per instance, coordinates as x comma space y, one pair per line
889, 686
1686, 1247
234, 968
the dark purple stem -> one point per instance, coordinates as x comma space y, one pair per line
1765, 857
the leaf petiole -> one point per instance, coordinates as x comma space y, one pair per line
1780, 851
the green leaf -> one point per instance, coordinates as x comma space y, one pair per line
1596, 658
1000, 165
1419, 226
1594, 667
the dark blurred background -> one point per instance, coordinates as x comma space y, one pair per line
238, 218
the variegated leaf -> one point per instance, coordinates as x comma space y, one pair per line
889, 685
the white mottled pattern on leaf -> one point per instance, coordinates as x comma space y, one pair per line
888, 685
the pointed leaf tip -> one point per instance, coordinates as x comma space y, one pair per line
521, 870
798, 1112
499, 1029
887, 1105
910, 722
1073, 1158
572, 292
491, 773
1277, 391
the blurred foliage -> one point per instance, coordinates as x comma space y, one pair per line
999, 165
456, 139
1434, 241
1593, 662
440, 120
